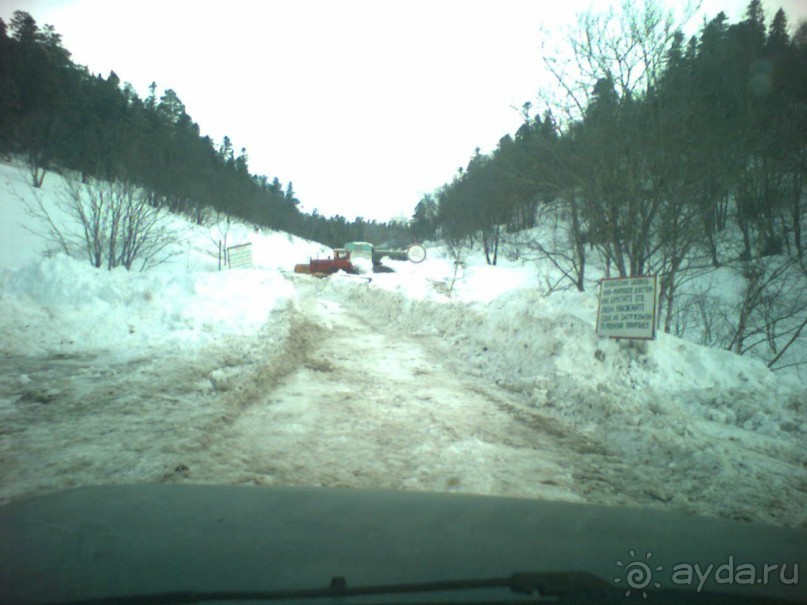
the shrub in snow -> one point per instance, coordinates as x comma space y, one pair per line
110, 224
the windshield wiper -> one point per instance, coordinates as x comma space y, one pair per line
556, 587
545, 584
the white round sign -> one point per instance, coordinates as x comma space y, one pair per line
416, 253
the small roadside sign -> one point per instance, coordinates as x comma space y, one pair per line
239, 256
627, 308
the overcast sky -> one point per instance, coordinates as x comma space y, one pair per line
364, 105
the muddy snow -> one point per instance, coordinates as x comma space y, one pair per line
350, 385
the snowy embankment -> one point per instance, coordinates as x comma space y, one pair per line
420, 379
60, 305
679, 425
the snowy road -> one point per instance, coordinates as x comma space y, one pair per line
366, 409
338, 404
335, 390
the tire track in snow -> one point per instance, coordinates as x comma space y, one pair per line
90, 419
110, 417
366, 409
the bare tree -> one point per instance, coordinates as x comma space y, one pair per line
564, 244
219, 233
40, 132
773, 308
608, 66
627, 46
110, 224
767, 319
458, 249
37, 169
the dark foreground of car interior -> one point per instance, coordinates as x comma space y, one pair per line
222, 544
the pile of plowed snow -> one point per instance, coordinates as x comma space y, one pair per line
685, 424
547, 348
62, 305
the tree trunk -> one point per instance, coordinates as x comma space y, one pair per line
486, 245
580, 245
795, 216
496, 245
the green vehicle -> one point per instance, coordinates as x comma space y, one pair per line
365, 251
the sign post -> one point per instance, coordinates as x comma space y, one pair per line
627, 308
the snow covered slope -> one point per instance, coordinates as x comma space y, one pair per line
60, 305
424, 378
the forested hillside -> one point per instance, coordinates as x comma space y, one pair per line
60, 117
682, 158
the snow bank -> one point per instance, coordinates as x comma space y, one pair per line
61, 305
546, 347
682, 425
271, 249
